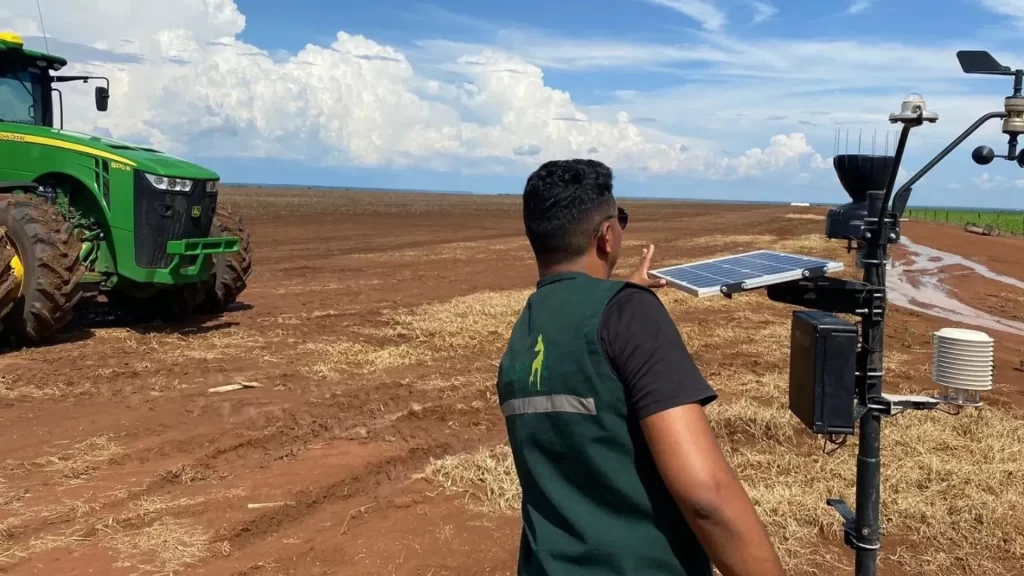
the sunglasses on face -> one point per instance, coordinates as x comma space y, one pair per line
622, 217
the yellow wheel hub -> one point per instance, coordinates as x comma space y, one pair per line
19, 272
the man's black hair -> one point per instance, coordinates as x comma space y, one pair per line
564, 202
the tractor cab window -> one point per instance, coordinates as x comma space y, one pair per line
21, 96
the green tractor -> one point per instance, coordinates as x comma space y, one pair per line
81, 214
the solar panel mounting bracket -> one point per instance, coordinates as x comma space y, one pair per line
766, 282
833, 295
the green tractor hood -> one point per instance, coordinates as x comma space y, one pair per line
137, 157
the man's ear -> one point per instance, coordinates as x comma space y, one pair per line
604, 239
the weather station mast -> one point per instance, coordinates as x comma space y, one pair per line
836, 369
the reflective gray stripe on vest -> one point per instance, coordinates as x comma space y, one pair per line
552, 403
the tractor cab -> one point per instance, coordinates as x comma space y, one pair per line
24, 85
27, 85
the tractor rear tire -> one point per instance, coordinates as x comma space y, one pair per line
230, 271
45, 243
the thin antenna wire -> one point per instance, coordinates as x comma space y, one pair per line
43, 26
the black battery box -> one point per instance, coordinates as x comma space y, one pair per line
822, 372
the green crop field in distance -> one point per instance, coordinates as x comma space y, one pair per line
1008, 221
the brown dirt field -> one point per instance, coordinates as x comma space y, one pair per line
1001, 254
373, 323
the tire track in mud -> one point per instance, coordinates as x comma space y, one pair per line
420, 432
413, 435
401, 420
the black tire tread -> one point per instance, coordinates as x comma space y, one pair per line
230, 271
48, 305
6, 278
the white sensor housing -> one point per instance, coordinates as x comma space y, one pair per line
962, 365
913, 108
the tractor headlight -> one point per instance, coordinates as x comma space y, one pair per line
211, 186
170, 184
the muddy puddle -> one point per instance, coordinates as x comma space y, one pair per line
917, 282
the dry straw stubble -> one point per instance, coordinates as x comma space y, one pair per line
945, 479
471, 325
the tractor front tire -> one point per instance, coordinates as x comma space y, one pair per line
8, 279
230, 271
48, 250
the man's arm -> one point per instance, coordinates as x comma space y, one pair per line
709, 495
666, 394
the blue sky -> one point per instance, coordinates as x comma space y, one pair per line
736, 99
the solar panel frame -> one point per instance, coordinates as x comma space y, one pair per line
697, 279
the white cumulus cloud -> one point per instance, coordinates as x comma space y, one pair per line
185, 82
781, 152
986, 181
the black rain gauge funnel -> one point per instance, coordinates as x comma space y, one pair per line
860, 174
863, 173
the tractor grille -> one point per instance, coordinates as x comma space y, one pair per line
162, 216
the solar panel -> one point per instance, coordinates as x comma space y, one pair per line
741, 272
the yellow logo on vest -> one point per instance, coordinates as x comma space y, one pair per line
538, 362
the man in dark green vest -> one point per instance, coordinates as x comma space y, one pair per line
619, 469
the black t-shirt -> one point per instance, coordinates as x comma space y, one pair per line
649, 356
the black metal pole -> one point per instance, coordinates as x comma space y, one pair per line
867, 537
863, 527
869, 366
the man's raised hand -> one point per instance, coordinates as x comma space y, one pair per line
639, 276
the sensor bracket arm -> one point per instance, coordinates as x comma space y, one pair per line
893, 404
945, 152
849, 525
900, 148
904, 134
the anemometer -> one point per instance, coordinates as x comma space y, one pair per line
835, 375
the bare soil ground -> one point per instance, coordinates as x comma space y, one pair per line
373, 324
